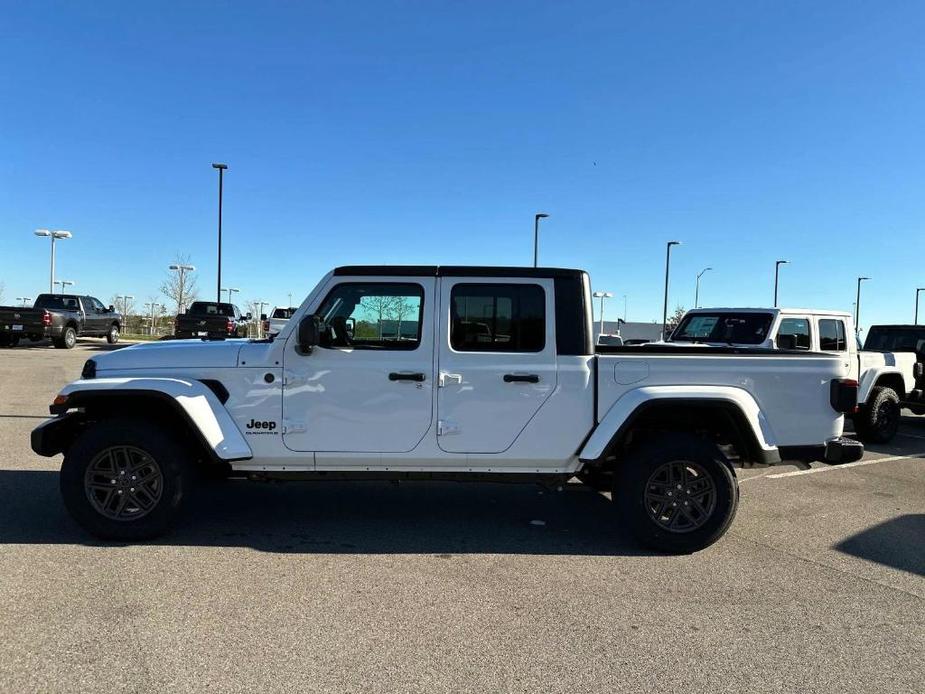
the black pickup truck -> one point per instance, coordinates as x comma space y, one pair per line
61, 317
210, 319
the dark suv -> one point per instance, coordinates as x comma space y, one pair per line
212, 320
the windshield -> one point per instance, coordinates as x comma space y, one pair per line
908, 339
736, 328
210, 308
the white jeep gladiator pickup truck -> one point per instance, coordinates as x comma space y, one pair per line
887, 379
462, 373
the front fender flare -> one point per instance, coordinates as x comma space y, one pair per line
191, 399
623, 411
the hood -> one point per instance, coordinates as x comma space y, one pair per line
172, 354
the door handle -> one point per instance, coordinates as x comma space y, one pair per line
521, 378
417, 377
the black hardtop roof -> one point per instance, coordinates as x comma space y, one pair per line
455, 271
897, 326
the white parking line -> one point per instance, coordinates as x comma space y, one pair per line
828, 468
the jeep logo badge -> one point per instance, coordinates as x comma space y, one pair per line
266, 426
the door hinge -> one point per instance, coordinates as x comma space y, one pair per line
293, 427
445, 379
447, 426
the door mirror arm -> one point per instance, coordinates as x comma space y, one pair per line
309, 334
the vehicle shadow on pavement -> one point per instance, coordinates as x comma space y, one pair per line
896, 543
348, 518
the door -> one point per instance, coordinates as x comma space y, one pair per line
368, 385
497, 360
97, 318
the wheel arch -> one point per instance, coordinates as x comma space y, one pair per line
892, 379
726, 418
189, 408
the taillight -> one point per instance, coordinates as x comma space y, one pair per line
46, 318
230, 326
843, 395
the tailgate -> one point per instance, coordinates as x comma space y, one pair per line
13, 319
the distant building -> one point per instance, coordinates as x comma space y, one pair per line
630, 330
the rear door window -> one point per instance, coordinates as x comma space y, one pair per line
498, 318
832, 335
799, 329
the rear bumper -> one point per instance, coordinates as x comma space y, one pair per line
843, 450
833, 451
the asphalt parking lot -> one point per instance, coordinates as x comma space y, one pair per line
818, 587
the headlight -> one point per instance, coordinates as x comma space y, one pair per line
89, 369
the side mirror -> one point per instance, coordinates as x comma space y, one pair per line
786, 342
309, 334
112, 309
248, 315
263, 316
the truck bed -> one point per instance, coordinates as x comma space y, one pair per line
775, 379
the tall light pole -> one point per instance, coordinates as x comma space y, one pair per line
921, 289
777, 265
54, 235
697, 286
229, 290
65, 283
857, 307
152, 307
259, 306
124, 298
221, 171
602, 296
23, 299
536, 235
183, 269
667, 267
624, 308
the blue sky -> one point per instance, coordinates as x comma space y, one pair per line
426, 132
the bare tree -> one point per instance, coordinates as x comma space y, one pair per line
383, 307
674, 319
401, 310
180, 287
123, 305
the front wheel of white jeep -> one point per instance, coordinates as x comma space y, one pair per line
124, 480
676, 494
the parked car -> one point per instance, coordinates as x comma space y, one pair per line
887, 379
611, 340
902, 338
278, 319
61, 317
211, 320
502, 382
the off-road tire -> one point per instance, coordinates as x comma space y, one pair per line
878, 419
172, 462
703, 466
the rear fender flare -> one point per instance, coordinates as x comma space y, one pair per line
619, 418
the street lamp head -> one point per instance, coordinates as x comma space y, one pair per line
674, 243
783, 262
61, 234
861, 279
42, 232
541, 215
219, 166
602, 295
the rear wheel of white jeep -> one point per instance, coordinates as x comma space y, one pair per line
124, 480
676, 494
